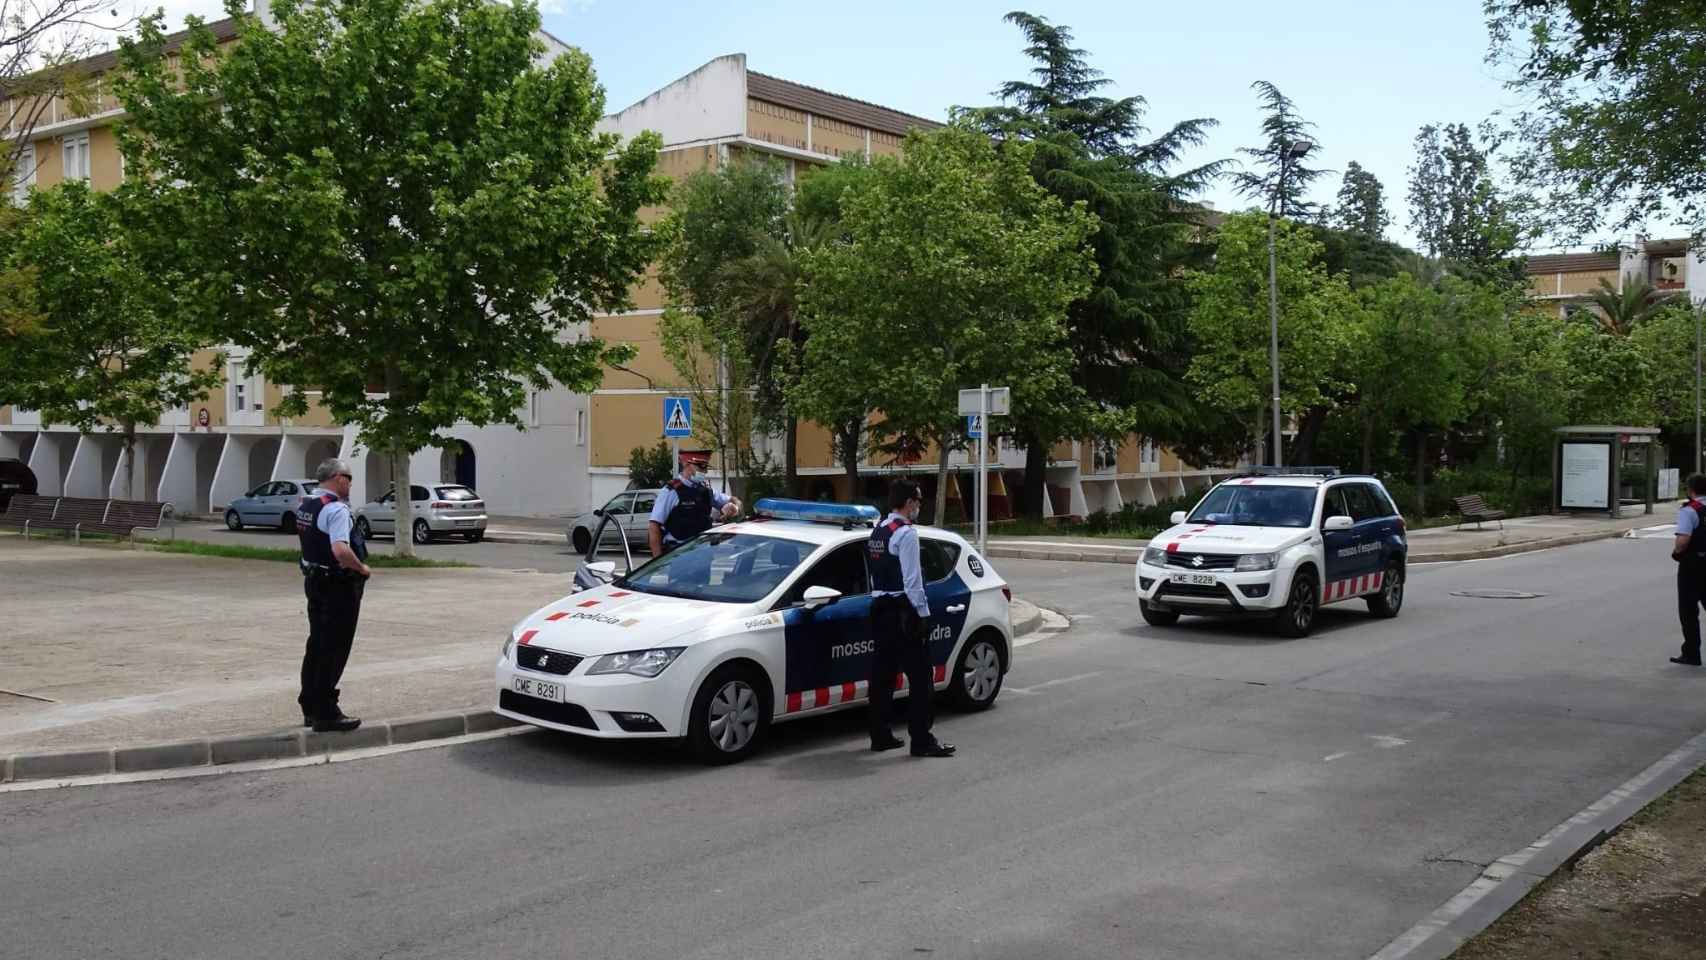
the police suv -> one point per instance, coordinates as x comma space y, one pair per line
751, 623
1277, 546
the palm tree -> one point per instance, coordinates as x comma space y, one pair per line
1617, 312
763, 290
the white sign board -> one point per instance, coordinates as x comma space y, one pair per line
1668, 483
1000, 401
1586, 480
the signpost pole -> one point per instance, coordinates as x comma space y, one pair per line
983, 470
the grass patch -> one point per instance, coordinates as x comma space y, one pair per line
383, 561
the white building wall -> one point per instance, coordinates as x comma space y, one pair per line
707, 104
177, 481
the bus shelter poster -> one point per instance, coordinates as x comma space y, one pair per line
1587, 475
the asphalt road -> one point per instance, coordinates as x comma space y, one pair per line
1200, 791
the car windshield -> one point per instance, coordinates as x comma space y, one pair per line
1256, 506
309, 485
724, 567
456, 493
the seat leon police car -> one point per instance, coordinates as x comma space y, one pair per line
1279, 547
749, 624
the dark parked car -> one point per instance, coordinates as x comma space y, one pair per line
15, 477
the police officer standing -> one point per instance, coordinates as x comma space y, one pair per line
335, 572
683, 509
900, 626
1689, 552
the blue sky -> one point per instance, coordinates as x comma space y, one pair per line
1367, 73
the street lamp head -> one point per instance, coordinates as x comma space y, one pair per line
1297, 148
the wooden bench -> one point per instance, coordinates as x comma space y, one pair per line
74, 514
125, 517
27, 510
1474, 509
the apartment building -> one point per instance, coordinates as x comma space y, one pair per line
575, 449
1568, 279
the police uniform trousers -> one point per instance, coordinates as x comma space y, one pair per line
899, 645
334, 606
1690, 595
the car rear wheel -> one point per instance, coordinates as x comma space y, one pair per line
582, 539
1297, 617
476, 536
1157, 618
978, 672
233, 521
423, 532
364, 528
287, 523
731, 713
1390, 599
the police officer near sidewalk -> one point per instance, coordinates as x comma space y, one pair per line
683, 509
1689, 552
335, 572
900, 626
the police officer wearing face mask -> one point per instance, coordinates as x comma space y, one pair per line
335, 572
900, 626
1689, 552
683, 509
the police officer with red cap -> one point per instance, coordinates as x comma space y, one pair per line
335, 572
683, 509
1689, 552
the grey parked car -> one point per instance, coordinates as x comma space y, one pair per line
272, 504
628, 510
439, 509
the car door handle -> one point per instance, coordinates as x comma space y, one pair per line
955, 608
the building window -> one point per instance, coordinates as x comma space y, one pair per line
77, 156
1107, 457
1150, 455
24, 176
580, 427
533, 407
240, 396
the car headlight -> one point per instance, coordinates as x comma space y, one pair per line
1155, 556
640, 663
509, 641
1257, 561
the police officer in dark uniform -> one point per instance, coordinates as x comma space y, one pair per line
1689, 552
900, 626
683, 510
335, 572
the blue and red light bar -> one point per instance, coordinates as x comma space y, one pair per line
811, 511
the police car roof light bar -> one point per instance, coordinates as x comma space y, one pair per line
847, 515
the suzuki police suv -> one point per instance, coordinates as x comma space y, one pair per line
1279, 547
748, 624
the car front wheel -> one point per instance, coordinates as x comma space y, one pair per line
364, 528
582, 539
1157, 618
233, 521
730, 715
1297, 617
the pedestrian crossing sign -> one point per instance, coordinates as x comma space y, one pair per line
974, 427
677, 417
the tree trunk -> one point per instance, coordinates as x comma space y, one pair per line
403, 534
1367, 444
1421, 473
850, 458
1303, 451
942, 481
130, 460
790, 449
1036, 475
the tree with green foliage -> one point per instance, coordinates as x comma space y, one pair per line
112, 345
716, 373
1280, 180
955, 268
405, 203
1619, 312
1362, 204
1229, 323
1457, 210
1127, 335
1613, 137
651, 467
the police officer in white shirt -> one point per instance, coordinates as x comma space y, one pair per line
683, 509
335, 572
900, 626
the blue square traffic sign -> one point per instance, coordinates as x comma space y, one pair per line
677, 417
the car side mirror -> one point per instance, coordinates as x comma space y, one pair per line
1337, 523
598, 511
1178, 517
603, 568
815, 597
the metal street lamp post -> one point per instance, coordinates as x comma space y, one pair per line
1699, 316
1292, 151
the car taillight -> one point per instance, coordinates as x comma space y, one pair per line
1008, 593
1402, 526
442, 505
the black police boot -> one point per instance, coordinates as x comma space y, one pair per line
334, 721
1686, 661
934, 749
890, 742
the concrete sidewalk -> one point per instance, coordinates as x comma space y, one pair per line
1432, 545
104, 648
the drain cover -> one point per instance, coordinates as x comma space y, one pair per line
1497, 594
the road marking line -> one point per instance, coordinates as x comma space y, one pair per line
1033, 688
257, 766
1385, 742
1329, 758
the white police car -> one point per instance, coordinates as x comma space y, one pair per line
1277, 546
748, 624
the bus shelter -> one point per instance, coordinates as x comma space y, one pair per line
1588, 462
